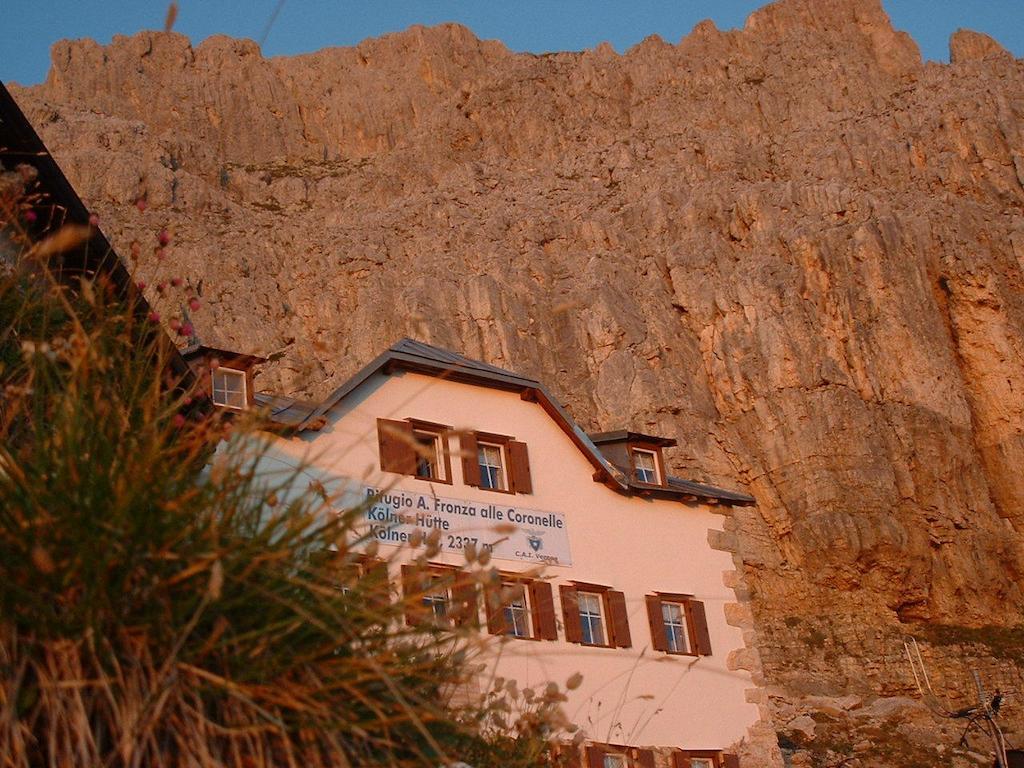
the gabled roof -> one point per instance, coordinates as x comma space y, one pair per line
411, 355
419, 357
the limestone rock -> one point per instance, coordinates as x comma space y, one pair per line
794, 247
967, 45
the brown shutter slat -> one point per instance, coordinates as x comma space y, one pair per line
659, 641
571, 614
397, 451
493, 605
619, 619
379, 588
470, 460
412, 594
701, 636
730, 761
645, 758
519, 468
595, 757
681, 760
543, 602
464, 596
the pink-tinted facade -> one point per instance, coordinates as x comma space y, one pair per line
586, 538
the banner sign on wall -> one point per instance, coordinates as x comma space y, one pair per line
508, 532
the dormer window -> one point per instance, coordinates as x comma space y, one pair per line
645, 466
224, 376
229, 387
640, 457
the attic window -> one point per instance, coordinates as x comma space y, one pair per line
645, 466
229, 387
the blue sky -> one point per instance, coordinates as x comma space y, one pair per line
29, 27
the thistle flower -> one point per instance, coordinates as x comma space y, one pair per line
194, 304
176, 282
164, 237
154, 317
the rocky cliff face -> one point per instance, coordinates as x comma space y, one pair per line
794, 247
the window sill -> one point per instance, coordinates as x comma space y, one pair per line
497, 490
520, 637
431, 479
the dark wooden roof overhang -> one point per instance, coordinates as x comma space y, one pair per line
225, 356
625, 436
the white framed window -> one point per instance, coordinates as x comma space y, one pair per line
428, 455
516, 610
229, 387
674, 619
492, 467
645, 466
437, 602
614, 761
591, 620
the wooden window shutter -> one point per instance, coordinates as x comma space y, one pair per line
659, 641
570, 755
470, 459
519, 468
701, 637
375, 572
494, 606
571, 614
412, 594
397, 447
645, 758
595, 757
618, 619
543, 602
464, 599
730, 761
681, 760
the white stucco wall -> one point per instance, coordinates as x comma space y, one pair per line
635, 695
